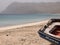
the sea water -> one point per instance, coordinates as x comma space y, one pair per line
8, 20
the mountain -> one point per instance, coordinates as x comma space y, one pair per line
32, 8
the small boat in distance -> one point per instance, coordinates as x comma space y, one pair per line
51, 31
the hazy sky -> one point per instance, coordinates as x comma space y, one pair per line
5, 3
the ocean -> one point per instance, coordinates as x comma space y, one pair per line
9, 20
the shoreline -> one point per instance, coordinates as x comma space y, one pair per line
23, 25
26, 34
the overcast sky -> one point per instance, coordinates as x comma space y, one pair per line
5, 3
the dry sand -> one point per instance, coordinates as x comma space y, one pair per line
23, 35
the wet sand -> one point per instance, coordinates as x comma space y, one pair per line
25, 35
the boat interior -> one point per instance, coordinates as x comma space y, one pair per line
56, 30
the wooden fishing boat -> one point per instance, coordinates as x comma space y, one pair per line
51, 31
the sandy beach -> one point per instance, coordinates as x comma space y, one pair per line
26, 34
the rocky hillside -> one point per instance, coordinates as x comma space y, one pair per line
32, 8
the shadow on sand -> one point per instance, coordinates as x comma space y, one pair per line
53, 44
